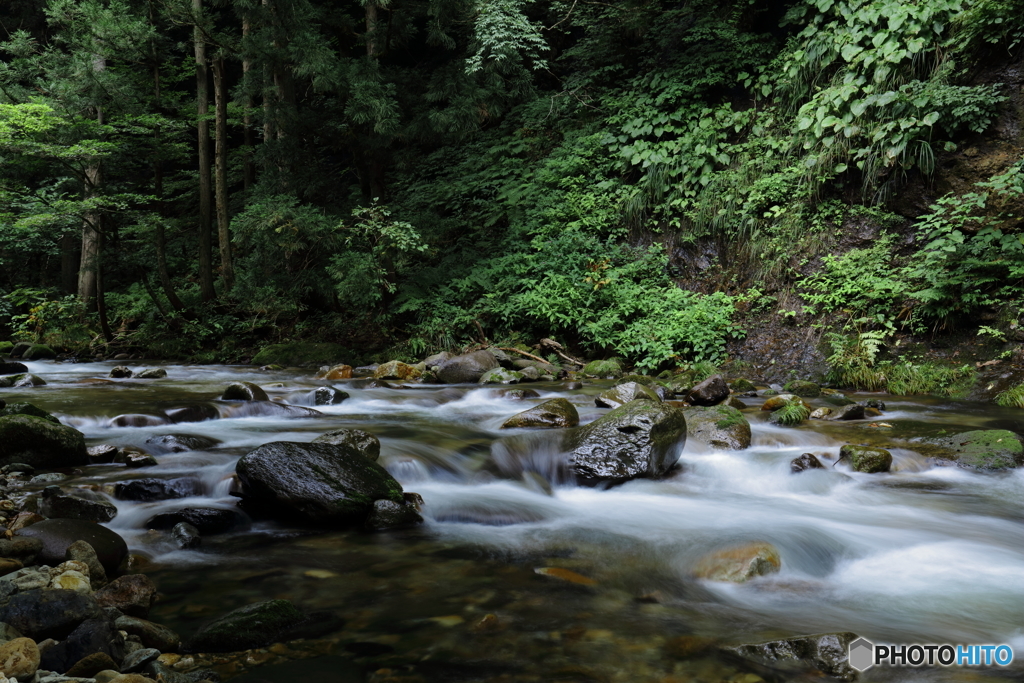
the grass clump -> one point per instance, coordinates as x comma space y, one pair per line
908, 379
793, 412
1012, 397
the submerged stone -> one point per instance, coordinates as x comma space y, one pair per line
247, 627
740, 563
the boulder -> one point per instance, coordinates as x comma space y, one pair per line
131, 594
180, 443
521, 364
41, 443
137, 661
186, 535
301, 353
740, 563
152, 373
27, 409
467, 368
396, 369
431, 362
866, 458
530, 374
985, 449
244, 391
252, 626
38, 352
354, 439
387, 514
19, 658
603, 369
718, 426
120, 372
49, 613
518, 394
157, 489
197, 412
851, 411
19, 349
209, 521
639, 439
364, 370
337, 372
57, 535
776, 402
22, 381
711, 391
820, 413
151, 634
138, 420
557, 412
743, 386
91, 508
807, 461
12, 368
103, 453
135, 459
624, 393
314, 482
90, 665
327, 396
802, 388
501, 376
825, 653
90, 637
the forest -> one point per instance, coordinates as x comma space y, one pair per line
194, 179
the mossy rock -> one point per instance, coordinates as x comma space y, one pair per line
5, 347
38, 442
803, 388
742, 386
719, 426
867, 458
986, 449
396, 369
603, 369
23, 380
501, 376
558, 412
622, 394
646, 380
354, 439
247, 627
27, 409
301, 353
39, 352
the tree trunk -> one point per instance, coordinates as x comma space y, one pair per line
203, 125
68, 263
220, 90
91, 222
248, 167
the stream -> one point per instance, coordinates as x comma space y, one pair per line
924, 554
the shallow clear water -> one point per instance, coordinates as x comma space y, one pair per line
925, 554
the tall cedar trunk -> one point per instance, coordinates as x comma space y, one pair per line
91, 235
220, 90
203, 125
268, 102
372, 169
248, 167
69, 263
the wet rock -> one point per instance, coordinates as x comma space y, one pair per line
711, 391
57, 505
151, 634
157, 489
197, 412
807, 461
396, 369
866, 458
518, 394
467, 368
27, 409
734, 402
501, 376
876, 403
355, 439
19, 349
22, 381
247, 627
848, 412
9, 565
338, 372
137, 661
826, 653
530, 374
718, 426
12, 368
209, 521
387, 514
57, 535
624, 393
92, 664
120, 372
781, 400
802, 388
119, 678
645, 380
138, 420
272, 409
521, 364
437, 359
131, 594
327, 396
314, 482
152, 373
186, 535
244, 391
135, 460
41, 614
80, 551
837, 400
102, 454
985, 449
820, 413
557, 412
743, 386
89, 637
39, 352
740, 563
41, 443
18, 468
603, 369
19, 658
180, 443
639, 439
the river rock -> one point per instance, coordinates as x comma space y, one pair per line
58, 505
743, 386
338, 372
825, 653
19, 349
501, 376
91, 636
21, 548
866, 458
387, 514
186, 535
247, 627
151, 634
624, 393
711, 391
315, 482
39, 352
135, 459
27, 409
603, 369
356, 439
521, 364
244, 391
740, 563
9, 565
807, 461
327, 396
396, 369
837, 400
180, 443
80, 551
102, 454
131, 594
41, 443
137, 661
47, 613
209, 521
120, 372
57, 535
820, 413
802, 388
437, 359
12, 368
19, 658
557, 412
197, 412
90, 665
639, 439
157, 489
271, 409
138, 420
719, 426
152, 373
518, 394
985, 449
22, 381
467, 368
850, 411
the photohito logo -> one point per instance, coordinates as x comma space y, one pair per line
863, 654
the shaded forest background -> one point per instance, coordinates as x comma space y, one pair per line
193, 179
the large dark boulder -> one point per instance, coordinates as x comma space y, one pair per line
244, 391
355, 439
314, 482
12, 368
327, 396
27, 409
711, 391
639, 439
157, 489
39, 352
49, 613
719, 426
89, 637
985, 449
85, 505
247, 627
469, 367
57, 535
557, 412
38, 442
207, 520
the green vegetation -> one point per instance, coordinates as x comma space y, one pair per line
1012, 397
791, 413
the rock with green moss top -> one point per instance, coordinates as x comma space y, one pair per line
501, 376
557, 412
27, 409
624, 393
316, 483
357, 440
39, 352
985, 449
866, 458
22, 381
41, 443
247, 627
803, 388
718, 426
244, 391
742, 386
20, 348
302, 353
5, 347
603, 369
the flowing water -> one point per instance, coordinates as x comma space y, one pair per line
925, 554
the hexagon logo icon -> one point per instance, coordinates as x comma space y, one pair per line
861, 654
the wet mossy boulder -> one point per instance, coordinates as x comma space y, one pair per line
467, 368
603, 369
807, 461
558, 412
866, 458
985, 449
27, 409
502, 376
802, 388
317, 483
5, 348
387, 515
711, 391
41, 443
39, 352
152, 373
19, 349
364, 443
622, 394
244, 391
718, 426
22, 381
639, 439
301, 354
247, 627
742, 386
